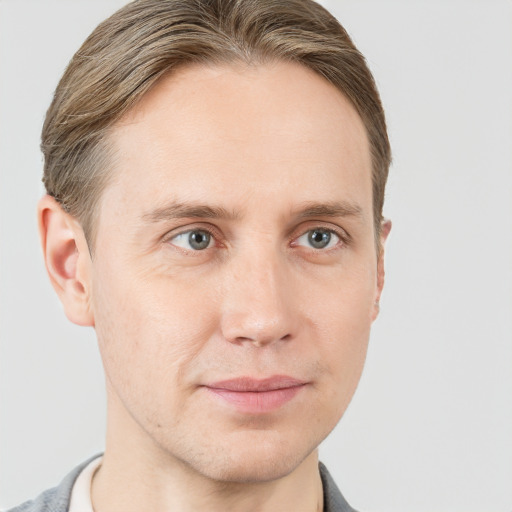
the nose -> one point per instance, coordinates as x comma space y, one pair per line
258, 303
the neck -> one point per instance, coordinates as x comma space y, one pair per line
135, 487
137, 476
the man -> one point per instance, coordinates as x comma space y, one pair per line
215, 174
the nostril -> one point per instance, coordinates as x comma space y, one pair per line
260, 341
258, 317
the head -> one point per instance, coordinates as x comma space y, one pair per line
215, 174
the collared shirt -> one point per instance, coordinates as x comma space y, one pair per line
81, 494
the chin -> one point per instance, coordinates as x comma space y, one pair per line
261, 458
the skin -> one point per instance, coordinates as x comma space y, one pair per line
259, 157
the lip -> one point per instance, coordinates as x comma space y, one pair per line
256, 396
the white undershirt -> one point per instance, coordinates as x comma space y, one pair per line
81, 493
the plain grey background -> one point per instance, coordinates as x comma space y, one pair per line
430, 427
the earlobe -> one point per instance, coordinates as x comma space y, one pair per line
384, 232
67, 260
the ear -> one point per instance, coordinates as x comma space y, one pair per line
384, 232
67, 260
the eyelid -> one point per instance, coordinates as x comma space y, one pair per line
343, 235
332, 243
217, 235
209, 228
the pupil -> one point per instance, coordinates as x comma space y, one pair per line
319, 239
199, 240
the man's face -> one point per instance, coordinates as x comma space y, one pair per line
235, 271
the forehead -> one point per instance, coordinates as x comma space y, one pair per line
276, 132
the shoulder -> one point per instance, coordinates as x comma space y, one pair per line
333, 499
44, 502
55, 499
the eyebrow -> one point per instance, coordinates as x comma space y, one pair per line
202, 211
330, 209
180, 211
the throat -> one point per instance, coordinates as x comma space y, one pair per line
128, 489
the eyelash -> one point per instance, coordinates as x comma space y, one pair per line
214, 234
343, 236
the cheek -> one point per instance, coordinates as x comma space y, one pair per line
344, 301
343, 321
149, 332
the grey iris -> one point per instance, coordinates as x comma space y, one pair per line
319, 238
199, 240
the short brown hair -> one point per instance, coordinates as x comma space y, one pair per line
127, 53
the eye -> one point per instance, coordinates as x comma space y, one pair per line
318, 238
195, 240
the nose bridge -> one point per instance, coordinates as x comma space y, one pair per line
257, 307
